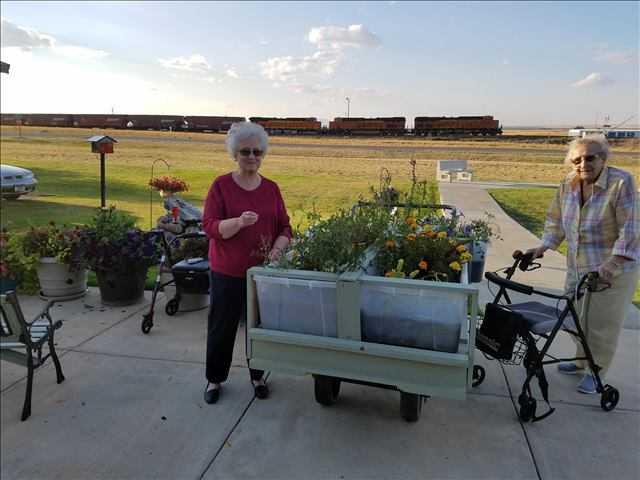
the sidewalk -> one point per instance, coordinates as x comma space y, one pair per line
132, 407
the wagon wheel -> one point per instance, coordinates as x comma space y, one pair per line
147, 323
326, 389
410, 406
609, 399
478, 375
172, 307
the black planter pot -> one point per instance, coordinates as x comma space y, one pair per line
476, 271
122, 288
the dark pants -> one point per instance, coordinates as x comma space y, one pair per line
228, 300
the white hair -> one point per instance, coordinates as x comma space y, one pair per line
241, 131
599, 140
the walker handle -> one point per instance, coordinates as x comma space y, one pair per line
509, 284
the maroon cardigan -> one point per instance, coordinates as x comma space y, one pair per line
226, 199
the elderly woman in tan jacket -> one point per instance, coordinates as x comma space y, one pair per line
596, 211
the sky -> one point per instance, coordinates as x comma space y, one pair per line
526, 63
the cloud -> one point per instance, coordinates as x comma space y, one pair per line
193, 63
595, 79
79, 53
231, 73
26, 39
288, 69
22, 37
332, 37
619, 57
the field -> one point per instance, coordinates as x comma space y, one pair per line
312, 171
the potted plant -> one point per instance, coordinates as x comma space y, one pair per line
168, 186
53, 249
183, 249
17, 270
119, 253
480, 232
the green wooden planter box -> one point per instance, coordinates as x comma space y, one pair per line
346, 355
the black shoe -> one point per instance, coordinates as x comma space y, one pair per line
261, 391
211, 396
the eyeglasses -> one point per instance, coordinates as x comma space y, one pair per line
245, 152
587, 159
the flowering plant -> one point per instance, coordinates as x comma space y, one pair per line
189, 248
51, 241
169, 184
15, 265
335, 244
419, 251
481, 229
111, 242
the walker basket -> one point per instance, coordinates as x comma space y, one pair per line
499, 334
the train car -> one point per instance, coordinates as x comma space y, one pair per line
289, 125
441, 126
199, 123
11, 119
367, 126
100, 121
47, 119
155, 122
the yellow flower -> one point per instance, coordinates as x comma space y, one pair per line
410, 220
423, 265
427, 228
461, 248
389, 274
413, 226
455, 266
431, 234
411, 236
465, 257
442, 234
389, 244
423, 234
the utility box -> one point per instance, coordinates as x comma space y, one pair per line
102, 144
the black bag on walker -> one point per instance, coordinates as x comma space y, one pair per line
499, 331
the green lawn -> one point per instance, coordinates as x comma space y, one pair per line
528, 207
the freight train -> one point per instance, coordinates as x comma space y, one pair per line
423, 126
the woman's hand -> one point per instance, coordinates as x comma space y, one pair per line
247, 218
275, 254
610, 269
537, 252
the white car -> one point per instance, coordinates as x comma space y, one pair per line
16, 181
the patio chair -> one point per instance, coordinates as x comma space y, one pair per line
21, 342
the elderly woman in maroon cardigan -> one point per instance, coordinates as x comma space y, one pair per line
243, 212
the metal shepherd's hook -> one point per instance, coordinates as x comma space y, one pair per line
151, 190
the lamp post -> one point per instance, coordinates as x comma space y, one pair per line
348, 105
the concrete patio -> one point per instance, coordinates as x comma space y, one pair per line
132, 407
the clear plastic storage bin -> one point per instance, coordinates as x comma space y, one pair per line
412, 317
298, 306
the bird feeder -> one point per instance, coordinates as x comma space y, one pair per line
102, 144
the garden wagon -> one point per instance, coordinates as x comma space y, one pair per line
343, 328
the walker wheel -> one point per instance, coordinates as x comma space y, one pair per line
326, 389
172, 307
609, 398
527, 407
478, 375
410, 406
147, 323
